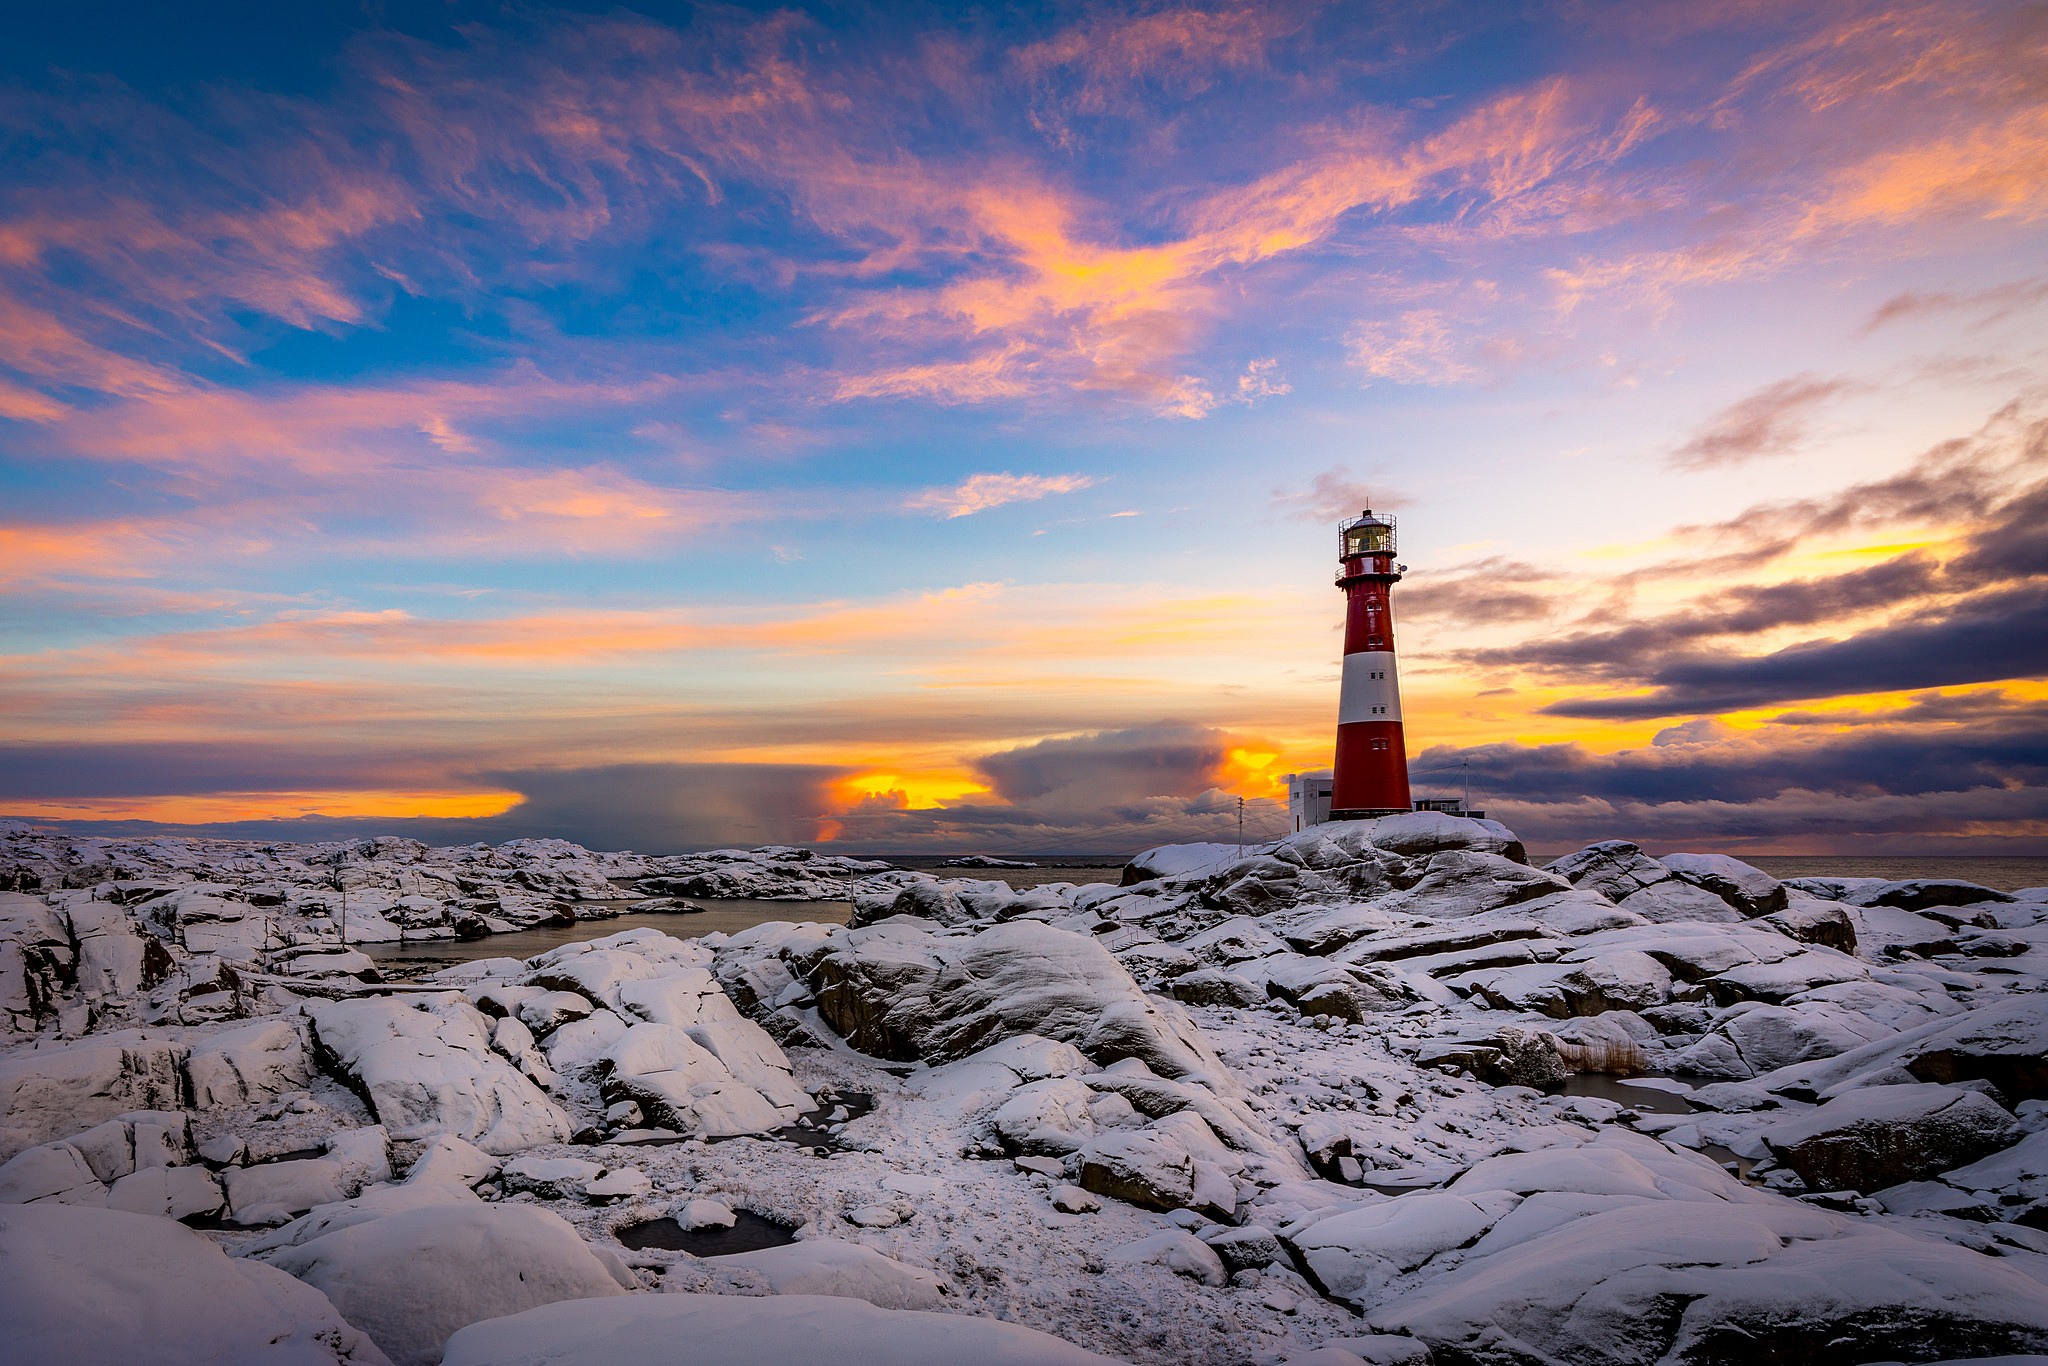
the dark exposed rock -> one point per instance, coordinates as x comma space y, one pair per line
1880, 1136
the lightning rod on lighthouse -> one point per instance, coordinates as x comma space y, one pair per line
1372, 757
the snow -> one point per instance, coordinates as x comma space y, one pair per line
724, 1330
411, 1278
429, 1072
828, 1266
1129, 1117
89, 1285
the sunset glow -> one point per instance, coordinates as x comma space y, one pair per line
925, 428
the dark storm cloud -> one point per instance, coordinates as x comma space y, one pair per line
1952, 481
1625, 652
1928, 707
1982, 776
68, 771
664, 808
2006, 748
652, 808
2014, 545
1985, 639
1771, 421
1110, 767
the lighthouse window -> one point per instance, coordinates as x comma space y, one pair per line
1379, 744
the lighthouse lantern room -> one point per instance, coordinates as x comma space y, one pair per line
1372, 759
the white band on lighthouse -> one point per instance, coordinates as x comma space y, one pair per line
1372, 690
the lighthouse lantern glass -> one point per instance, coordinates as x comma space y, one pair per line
1368, 536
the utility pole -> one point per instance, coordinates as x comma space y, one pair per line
341, 862
1240, 827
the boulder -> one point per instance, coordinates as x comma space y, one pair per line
1815, 922
55, 1090
249, 1064
429, 1072
168, 1192
2005, 1044
899, 992
1750, 890
274, 1192
410, 1279
91, 1285
1357, 1254
1627, 1281
1049, 1117
679, 1084
1879, 1136
37, 963
50, 1171
1625, 875
1179, 1252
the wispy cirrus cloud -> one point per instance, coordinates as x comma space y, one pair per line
1772, 421
982, 492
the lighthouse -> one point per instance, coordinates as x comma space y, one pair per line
1372, 757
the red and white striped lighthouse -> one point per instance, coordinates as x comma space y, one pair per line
1372, 757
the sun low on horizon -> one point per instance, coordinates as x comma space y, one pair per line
924, 429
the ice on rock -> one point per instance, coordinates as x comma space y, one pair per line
829, 1266
429, 1072
411, 1278
88, 1285
727, 1330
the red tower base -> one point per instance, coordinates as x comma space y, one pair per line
1372, 764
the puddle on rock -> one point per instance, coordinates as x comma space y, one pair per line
750, 1233
1651, 1095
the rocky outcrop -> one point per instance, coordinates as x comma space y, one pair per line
1879, 1136
429, 1071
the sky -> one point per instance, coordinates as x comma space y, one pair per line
922, 428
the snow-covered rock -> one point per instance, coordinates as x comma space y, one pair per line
92, 1285
428, 1072
1882, 1135
411, 1278
56, 1089
727, 1330
829, 1266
